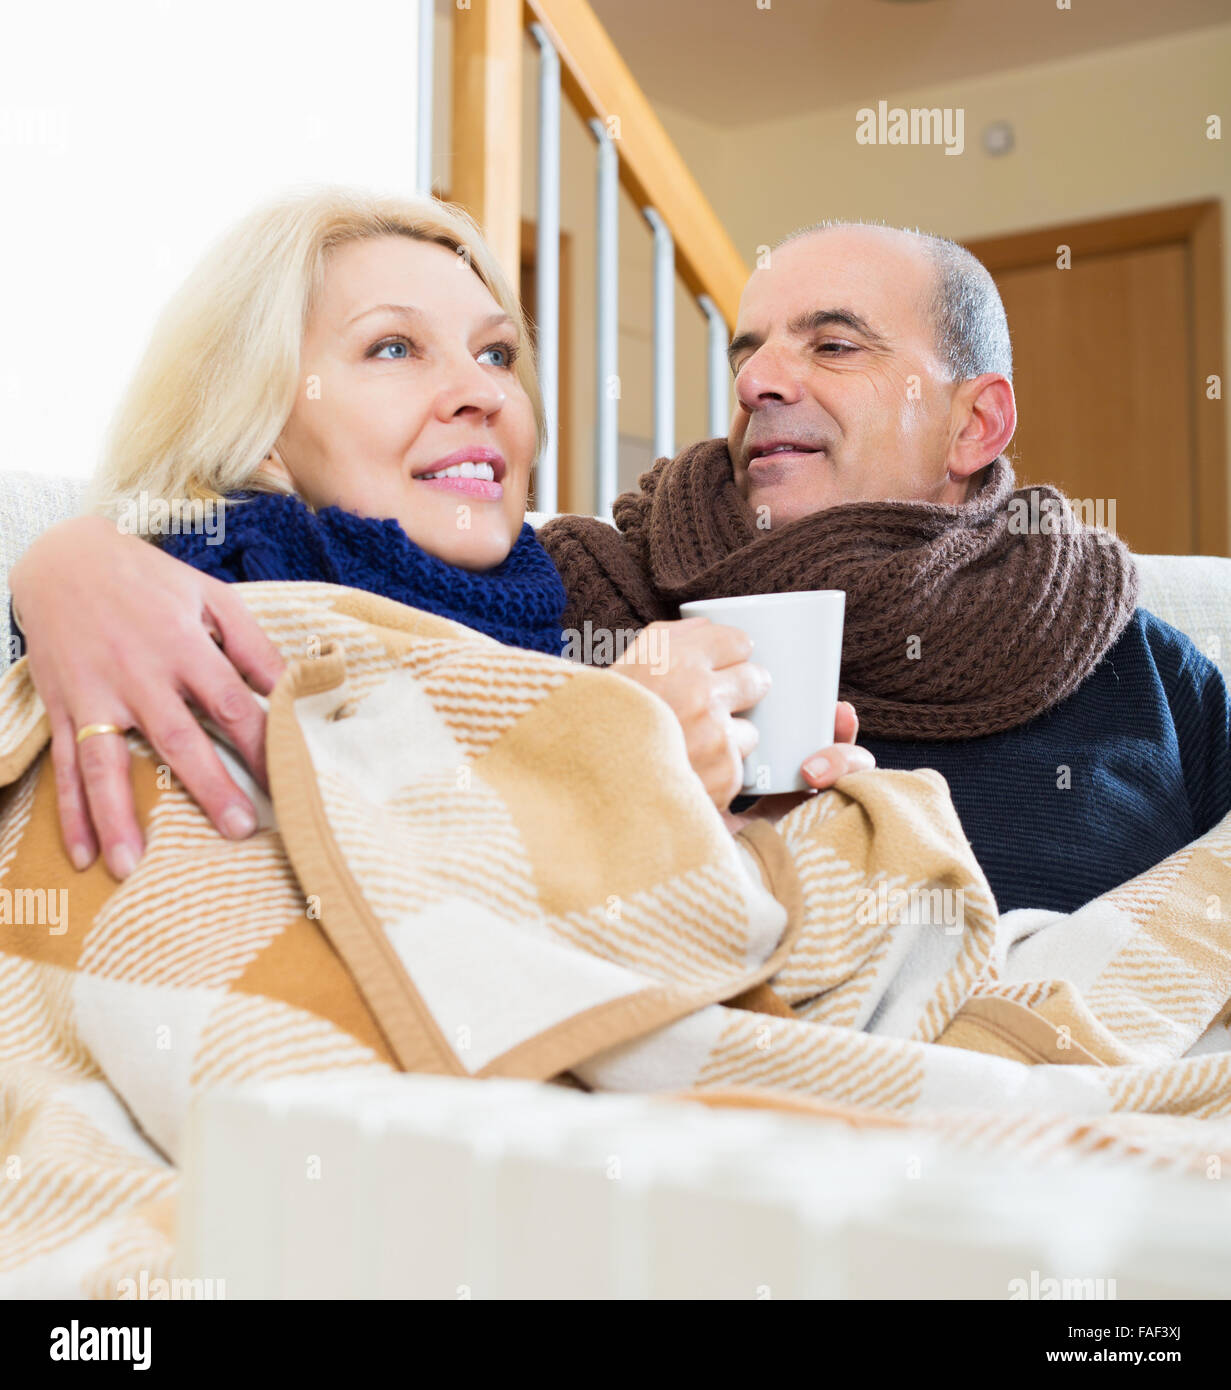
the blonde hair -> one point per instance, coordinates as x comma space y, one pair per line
219, 376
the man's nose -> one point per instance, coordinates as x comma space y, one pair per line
768, 377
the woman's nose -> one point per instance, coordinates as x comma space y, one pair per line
468, 388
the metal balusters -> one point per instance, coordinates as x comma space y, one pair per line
718, 413
607, 426
664, 335
547, 268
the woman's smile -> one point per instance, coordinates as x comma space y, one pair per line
481, 488
477, 472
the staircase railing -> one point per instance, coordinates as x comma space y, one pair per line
578, 60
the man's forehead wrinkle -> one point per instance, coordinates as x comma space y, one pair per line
884, 254
880, 253
858, 233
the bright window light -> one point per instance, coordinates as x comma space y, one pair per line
131, 136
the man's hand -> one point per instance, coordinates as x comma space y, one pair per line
821, 770
701, 669
119, 633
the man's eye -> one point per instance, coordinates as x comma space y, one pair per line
379, 349
836, 349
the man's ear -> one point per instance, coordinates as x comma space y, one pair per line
984, 417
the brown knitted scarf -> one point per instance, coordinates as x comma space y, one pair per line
960, 620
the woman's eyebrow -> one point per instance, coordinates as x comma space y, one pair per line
493, 319
411, 311
404, 310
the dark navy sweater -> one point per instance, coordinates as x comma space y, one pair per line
1133, 765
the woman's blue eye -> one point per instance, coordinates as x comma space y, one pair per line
399, 349
507, 351
402, 343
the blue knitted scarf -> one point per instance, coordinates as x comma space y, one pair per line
273, 536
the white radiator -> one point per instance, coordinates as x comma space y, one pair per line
422, 1187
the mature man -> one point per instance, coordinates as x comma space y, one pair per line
993, 640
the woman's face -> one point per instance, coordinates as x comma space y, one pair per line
406, 370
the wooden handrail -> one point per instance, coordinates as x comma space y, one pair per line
598, 83
486, 103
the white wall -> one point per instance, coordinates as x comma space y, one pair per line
131, 135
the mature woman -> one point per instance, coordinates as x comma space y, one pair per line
353, 373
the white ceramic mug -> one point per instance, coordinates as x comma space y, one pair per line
798, 639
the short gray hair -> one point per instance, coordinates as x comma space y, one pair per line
972, 333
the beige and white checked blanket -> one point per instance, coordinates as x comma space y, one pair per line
483, 862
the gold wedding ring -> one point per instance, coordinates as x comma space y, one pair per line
89, 730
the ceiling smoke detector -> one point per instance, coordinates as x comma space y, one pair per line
998, 137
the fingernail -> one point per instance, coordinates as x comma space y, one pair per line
817, 766
80, 856
123, 861
238, 822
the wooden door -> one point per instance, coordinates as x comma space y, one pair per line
1111, 357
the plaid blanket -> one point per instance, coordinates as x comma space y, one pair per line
485, 862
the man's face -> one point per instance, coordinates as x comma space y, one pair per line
834, 357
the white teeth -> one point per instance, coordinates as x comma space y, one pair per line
483, 471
